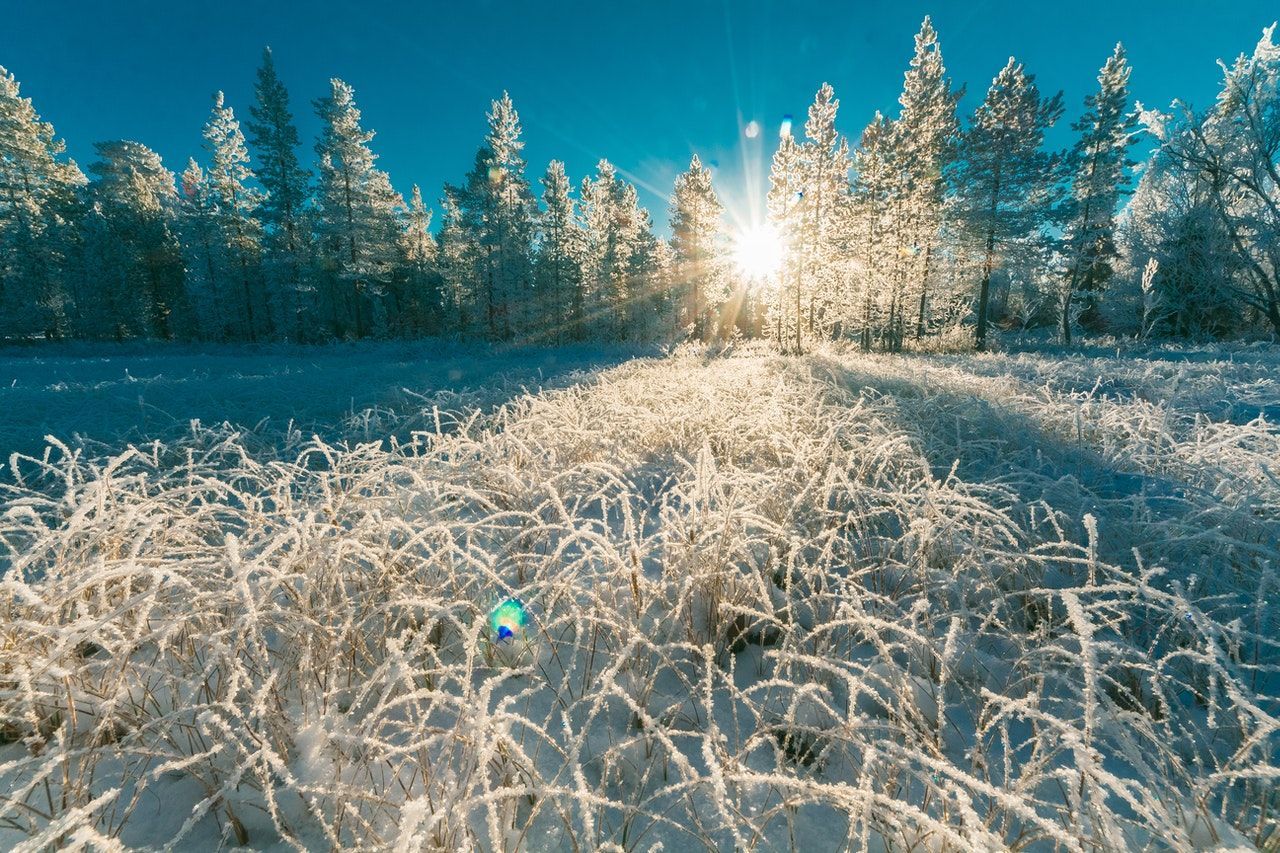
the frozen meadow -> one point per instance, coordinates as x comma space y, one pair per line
831, 602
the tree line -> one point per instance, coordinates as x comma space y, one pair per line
951, 227
924, 226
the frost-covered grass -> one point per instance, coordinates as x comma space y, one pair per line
818, 603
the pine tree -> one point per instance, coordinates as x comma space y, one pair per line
876, 186
925, 135
38, 209
649, 305
560, 255
497, 210
1003, 180
135, 198
821, 219
418, 294
598, 195
659, 281
1098, 163
233, 203
358, 222
273, 138
456, 263
783, 206
202, 243
620, 290
697, 243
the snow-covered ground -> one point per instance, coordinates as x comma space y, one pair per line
831, 602
134, 392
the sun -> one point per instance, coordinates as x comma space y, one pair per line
757, 251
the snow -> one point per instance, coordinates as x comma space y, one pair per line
138, 392
891, 602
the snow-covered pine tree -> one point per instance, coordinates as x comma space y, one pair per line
134, 196
497, 210
416, 308
1003, 180
783, 206
559, 259
207, 290
233, 202
876, 186
273, 139
822, 212
697, 243
38, 213
649, 307
514, 207
479, 283
659, 279
926, 132
358, 218
456, 263
608, 236
1097, 164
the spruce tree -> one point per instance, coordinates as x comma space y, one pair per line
206, 282
38, 209
560, 255
649, 307
697, 243
1097, 163
273, 139
876, 185
621, 258
135, 197
1003, 179
498, 210
234, 202
456, 263
822, 210
783, 206
417, 294
926, 133
358, 218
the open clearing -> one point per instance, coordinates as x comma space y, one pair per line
826, 602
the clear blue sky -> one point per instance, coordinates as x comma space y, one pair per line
645, 84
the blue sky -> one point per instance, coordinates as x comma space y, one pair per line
645, 84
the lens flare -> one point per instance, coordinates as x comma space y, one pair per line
757, 252
508, 618
753, 129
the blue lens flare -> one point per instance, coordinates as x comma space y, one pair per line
508, 618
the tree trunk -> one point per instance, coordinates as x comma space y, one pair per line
1066, 311
799, 315
924, 293
984, 293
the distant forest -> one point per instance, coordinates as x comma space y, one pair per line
925, 228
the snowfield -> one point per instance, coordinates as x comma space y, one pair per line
830, 602
106, 395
